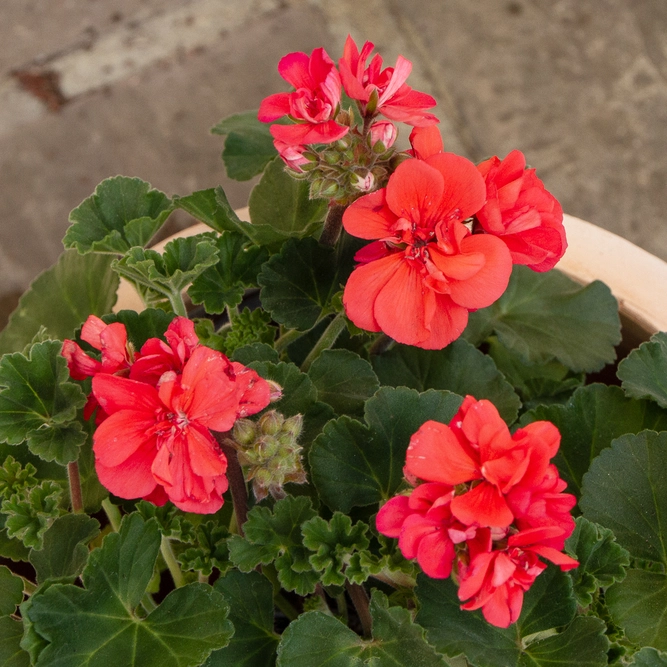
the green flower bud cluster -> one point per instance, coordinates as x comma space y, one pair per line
269, 453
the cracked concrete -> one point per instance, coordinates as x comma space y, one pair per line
579, 85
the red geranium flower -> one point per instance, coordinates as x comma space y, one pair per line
426, 271
314, 104
522, 213
160, 436
394, 98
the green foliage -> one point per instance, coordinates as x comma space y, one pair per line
11, 654
343, 380
211, 550
248, 145
212, 208
223, 285
182, 631
60, 299
548, 605
14, 478
11, 591
542, 316
333, 543
254, 643
255, 352
165, 276
248, 327
123, 212
648, 657
589, 421
275, 537
64, 550
149, 323
316, 639
459, 368
172, 522
602, 561
644, 370
38, 403
355, 464
29, 515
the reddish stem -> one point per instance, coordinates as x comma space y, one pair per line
75, 494
237, 484
360, 601
333, 224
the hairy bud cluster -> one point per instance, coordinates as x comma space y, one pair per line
269, 452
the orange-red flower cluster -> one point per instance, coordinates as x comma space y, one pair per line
157, 408
490, 506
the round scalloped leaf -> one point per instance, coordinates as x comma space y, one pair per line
644, 370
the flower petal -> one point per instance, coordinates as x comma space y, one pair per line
132, 478
415, 190
369, 217
483, 505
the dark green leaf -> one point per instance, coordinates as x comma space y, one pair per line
276, 536
549, 603
149, 323
589, 421
343, 380
64, 552
254, 643
204, 206
316, 639
38, 404
14, 478
60, 299
11, 653
256, 352
644, 370
96, 626
639, 605
161, 276
211, 550
333, 541
459, 368
355, 464
625, 490
248, 147
648, 657
11, 591
248, 327
546, 315
123, 212
223, 285
602, 561
280, 207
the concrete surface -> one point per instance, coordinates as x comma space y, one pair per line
133, 86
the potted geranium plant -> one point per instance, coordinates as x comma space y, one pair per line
376, 439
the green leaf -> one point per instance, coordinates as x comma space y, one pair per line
648, 657
212, 208
211, 550
589, 421
181, 632
333, 541
60, 299
248, 147
14, 478
546, 315
280, 207
38, 404
299, 282
343, 380
276, 536
644, 370
254, 643
316, 639
64, 552
548, 604
354, 464
11, 653
123, 212
459, 368
149, 323
223, 285
166, 275
625, 490
639, 605
249, 326
29, 517
602, 561
11, 591
256, 352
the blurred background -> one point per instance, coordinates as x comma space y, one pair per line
94, 88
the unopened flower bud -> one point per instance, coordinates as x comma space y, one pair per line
329, 188
244, 432
331, 157
364, 183
271, 423
383, 135
343, 118
372, 103
293, 425
276, 391
267, 447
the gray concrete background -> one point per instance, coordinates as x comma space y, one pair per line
132, 87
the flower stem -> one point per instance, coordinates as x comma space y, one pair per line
327, 339
113, 514
287, 339
381, 344
269, 571
333, 224
360, 601
75, 494
172, 563
237, 484
177, 304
